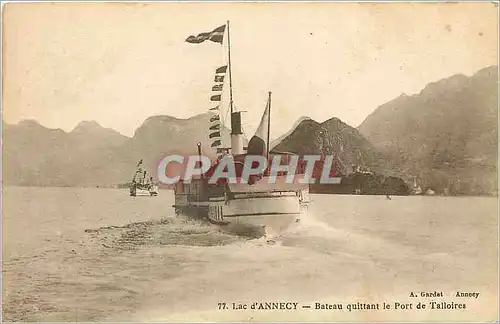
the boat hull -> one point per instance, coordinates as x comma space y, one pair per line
261, 209
135, 192
258, 225
139, 192
267, 214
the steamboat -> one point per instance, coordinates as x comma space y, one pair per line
142, 185
261, 205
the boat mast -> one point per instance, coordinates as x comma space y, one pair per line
236, 133
230, 75
268, 124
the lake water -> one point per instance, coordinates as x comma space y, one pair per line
88, 254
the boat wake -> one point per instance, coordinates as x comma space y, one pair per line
183, 230
168, 231
315, 235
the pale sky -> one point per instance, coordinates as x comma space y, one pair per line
119, 63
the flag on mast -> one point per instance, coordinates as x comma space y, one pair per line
258, 143
215, 98
218, 87
215, 134
216, 35
222, 69
219, 78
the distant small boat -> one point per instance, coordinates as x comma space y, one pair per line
141, 185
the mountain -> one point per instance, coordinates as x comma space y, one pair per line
446, 135
170, 134
92, 155
351, 149
36, 155
21, 148
162, 135
89, 134
278, 140
332, 137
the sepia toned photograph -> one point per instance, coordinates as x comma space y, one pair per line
250, 161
